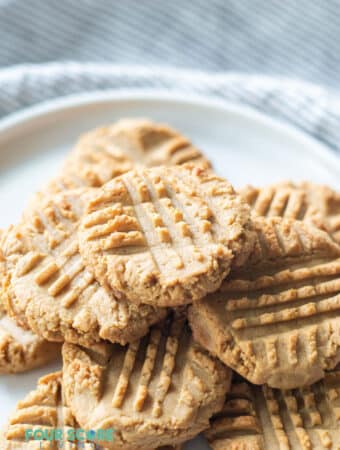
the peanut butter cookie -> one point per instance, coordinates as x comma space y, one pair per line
261, 418
317, 204
107, 152
45, 409
158, 391
165, 236
49, 289
20, 349
276, 319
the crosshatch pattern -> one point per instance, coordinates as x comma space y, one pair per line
43, 408
50, 288
105, 153
276, 320
261, 418
319, 205
164, 236
164, 384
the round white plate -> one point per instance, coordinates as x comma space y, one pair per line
244, 146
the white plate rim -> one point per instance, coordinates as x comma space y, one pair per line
11, 123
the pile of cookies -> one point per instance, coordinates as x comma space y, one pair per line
181, 306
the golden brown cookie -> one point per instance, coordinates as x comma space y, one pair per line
42, 409
276, 319
158, 391
107, 152
49, 289
165, 236
261, 418
20, 349
45, 409
306, 201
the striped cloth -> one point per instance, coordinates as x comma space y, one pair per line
290, 38
306, 106
133, 43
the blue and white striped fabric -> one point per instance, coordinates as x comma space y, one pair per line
290, 38
54, 48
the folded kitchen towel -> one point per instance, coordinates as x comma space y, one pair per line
304, 105
294, 38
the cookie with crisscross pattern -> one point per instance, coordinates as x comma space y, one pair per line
49, 289
20, 349
107, 152
42, 409
45, 409
317, 204
165, 236
276, 319
160, 390
261, 418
